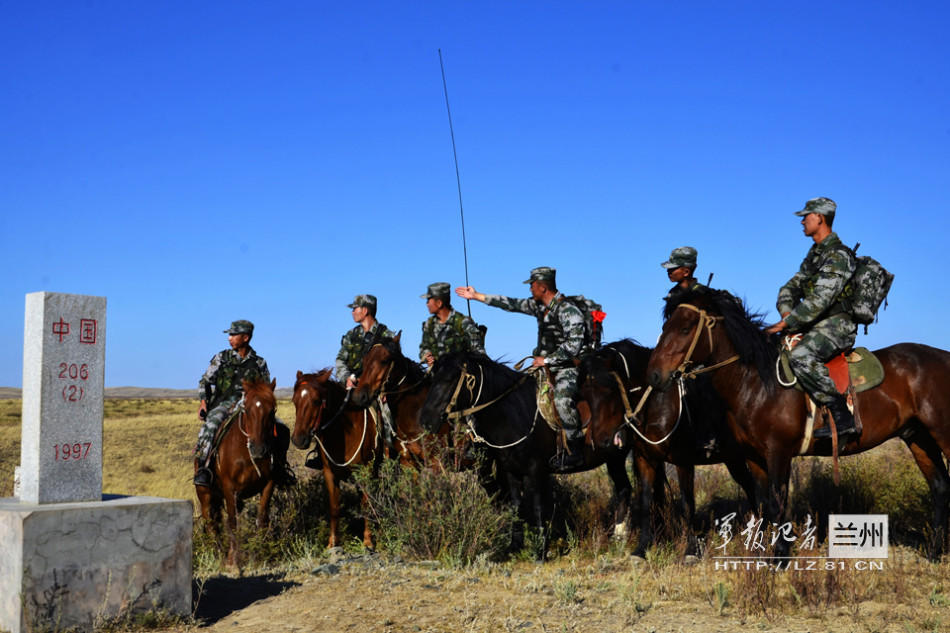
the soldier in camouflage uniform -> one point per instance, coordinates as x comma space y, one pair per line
680, 268
220, 390
446, 330
811, 303
356, 342
349, 361
560, 340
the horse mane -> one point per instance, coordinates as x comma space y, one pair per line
744, 327
594, 364
413, 370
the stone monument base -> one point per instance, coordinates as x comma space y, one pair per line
78, 564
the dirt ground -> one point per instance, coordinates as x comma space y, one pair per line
369, 593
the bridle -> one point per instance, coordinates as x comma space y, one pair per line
317, 428
469, 380
242, 415
706, 322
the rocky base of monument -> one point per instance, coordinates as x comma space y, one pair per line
69, 565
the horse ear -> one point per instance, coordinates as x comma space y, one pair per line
397, 337
299, 374
273, 384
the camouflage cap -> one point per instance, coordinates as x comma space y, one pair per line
542, 273
438, 290
363, 301
240, 327
682, 256
821, 206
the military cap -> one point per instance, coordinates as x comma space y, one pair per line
821, 206
542, 273
682, 256
363, 301
240, 327
438, 290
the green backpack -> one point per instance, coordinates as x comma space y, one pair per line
593, 320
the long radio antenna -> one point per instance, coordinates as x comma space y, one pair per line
458, 179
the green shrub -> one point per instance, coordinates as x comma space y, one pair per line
443, 516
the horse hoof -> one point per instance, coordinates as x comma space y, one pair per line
637, 559
689, 559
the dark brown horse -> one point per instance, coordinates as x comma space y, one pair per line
242, 466
345, 435
613, 381
768, 422
405, 385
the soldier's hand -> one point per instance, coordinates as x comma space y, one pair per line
778, 327
202, 410
350, 382
468, 292
429, 359
538, 361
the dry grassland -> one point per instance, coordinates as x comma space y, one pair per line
593, 585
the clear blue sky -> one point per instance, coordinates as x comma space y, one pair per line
197, 163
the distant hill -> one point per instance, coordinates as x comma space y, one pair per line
144, 393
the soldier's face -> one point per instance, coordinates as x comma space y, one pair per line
433, 304
537, 291
359, 313
677, 275
237, 341
811, 223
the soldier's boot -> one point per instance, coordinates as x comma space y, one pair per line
844, 419
203, 475
282, 473
571, 458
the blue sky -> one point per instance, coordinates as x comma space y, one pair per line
197, 163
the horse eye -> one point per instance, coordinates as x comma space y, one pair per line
684, 330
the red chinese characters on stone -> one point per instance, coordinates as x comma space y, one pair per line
87, 331
61, 329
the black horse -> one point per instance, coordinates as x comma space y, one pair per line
505, 419
613, 381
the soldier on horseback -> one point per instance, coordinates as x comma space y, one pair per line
810, 304
681, 269
220, 391
560, 340
446, 330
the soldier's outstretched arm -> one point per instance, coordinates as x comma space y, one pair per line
469, 292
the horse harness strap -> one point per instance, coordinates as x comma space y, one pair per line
708, 322
469, 380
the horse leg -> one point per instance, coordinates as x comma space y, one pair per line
333, 499
539, 483
646, 476
779, 471
623, 490
263, 507
687, 477
930, 461
740, 473
230, 502
367, 533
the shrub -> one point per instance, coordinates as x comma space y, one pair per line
446, 516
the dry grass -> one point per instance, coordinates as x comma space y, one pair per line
591, 583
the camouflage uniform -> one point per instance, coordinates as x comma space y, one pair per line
560, 340
354, 345
812, 298
224, 376
458, 333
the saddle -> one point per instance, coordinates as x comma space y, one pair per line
546, 407
861, 366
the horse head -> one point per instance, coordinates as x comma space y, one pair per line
260, 406
446, 392
709, 328
378, 363
311, 392
612, 380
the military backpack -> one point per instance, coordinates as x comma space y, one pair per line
593, 320
867, 290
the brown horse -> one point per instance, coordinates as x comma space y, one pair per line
768, 422
405, 385
345, 435
613, 381
242, 467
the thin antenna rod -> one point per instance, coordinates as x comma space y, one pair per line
458, 179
